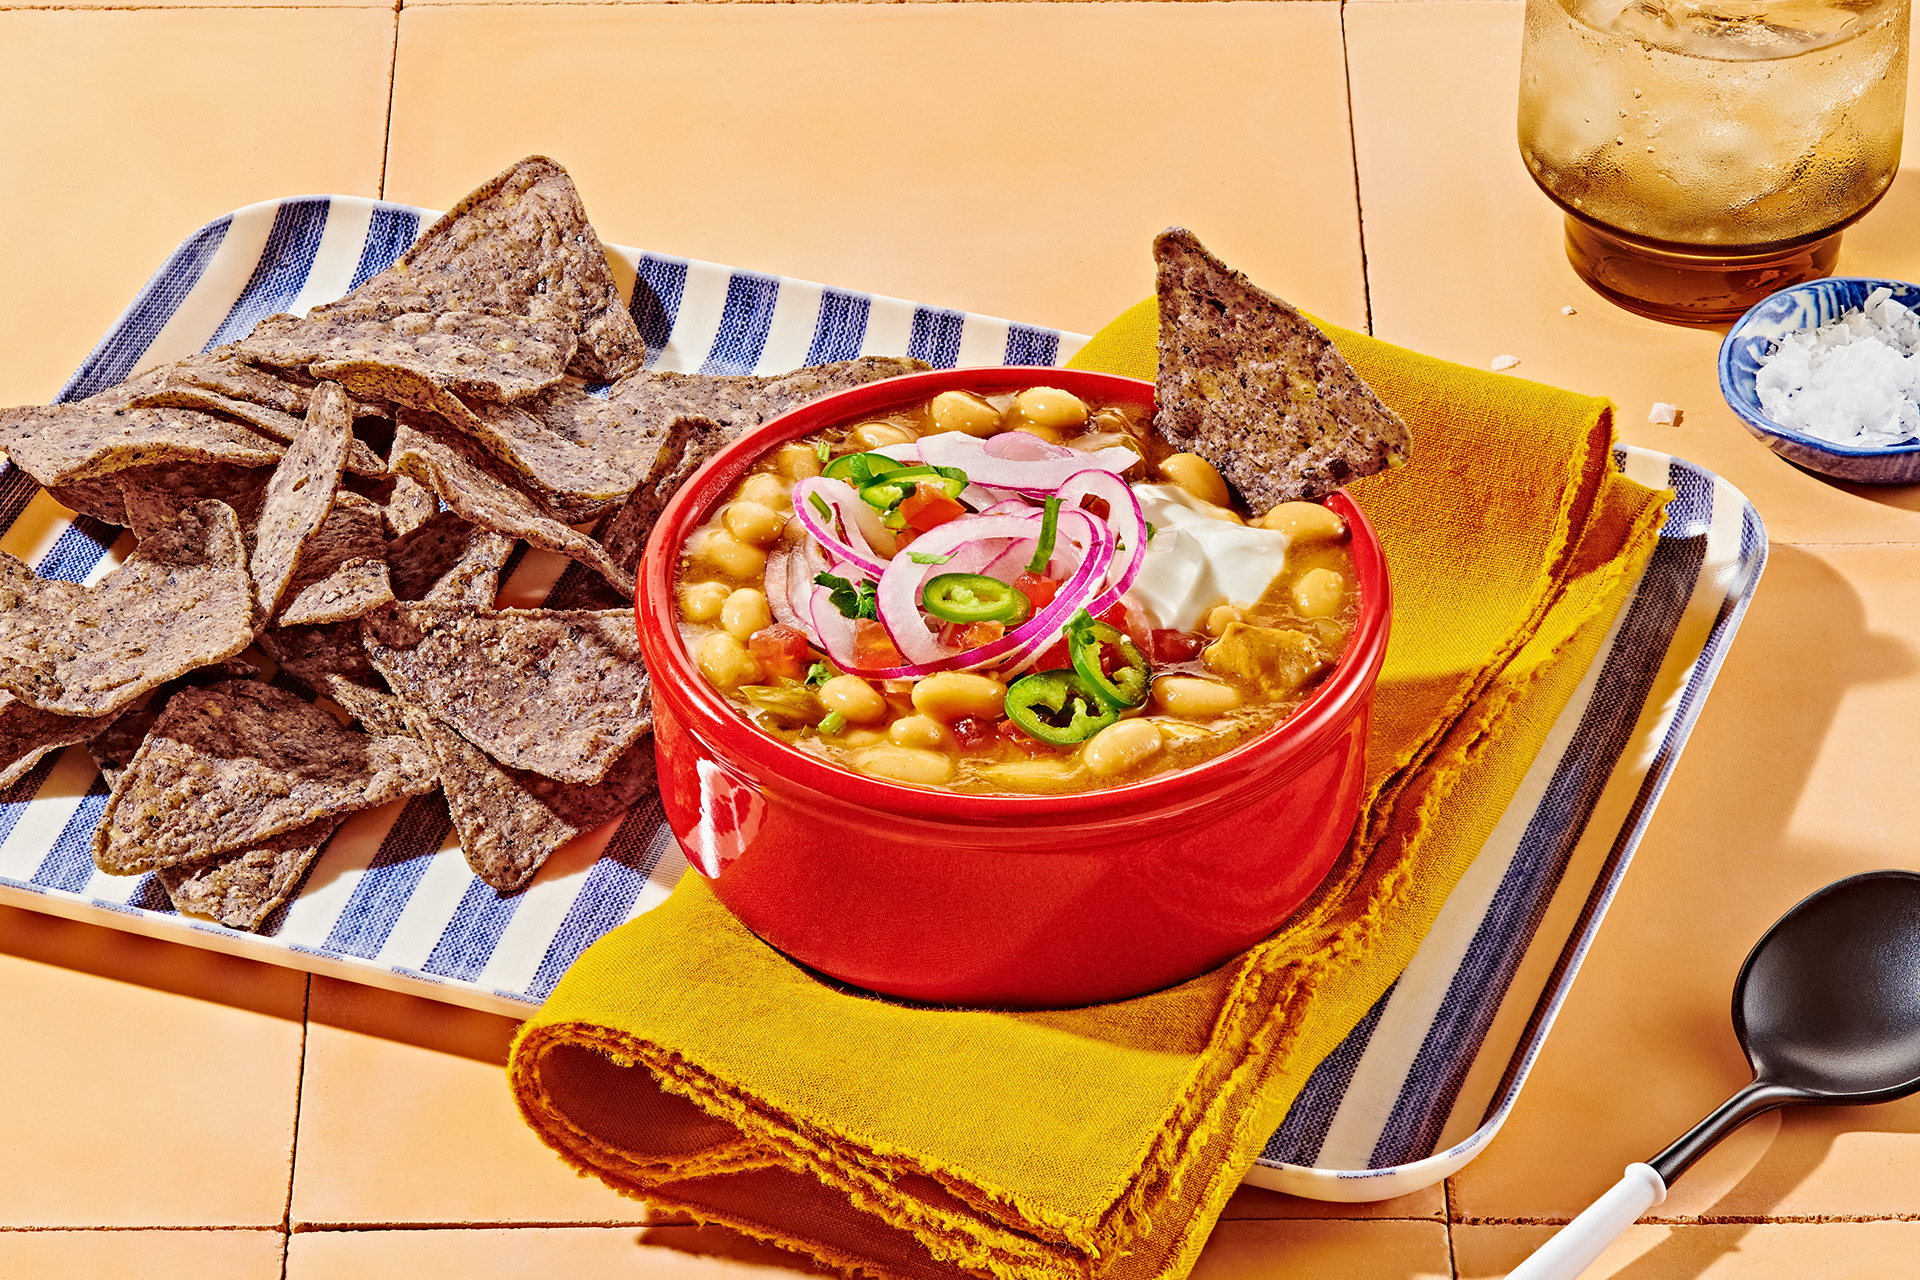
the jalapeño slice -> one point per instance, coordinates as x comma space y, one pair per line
1089, 641
860, 469
974, 597
886, 491
1057, 708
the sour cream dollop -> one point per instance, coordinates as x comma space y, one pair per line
1196, 560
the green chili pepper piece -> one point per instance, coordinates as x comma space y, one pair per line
1057, 708
1087, 640
889, 490
885, 495
974, 597
1049, 530
832, 723
861, 469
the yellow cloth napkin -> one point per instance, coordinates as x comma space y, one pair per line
683, 1061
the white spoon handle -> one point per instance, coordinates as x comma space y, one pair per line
1585, 1238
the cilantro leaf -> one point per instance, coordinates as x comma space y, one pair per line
853, 600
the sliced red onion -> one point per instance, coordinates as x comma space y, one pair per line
781, 563
831, 630
901, 584
847, 535
900, 587
1024, 446
1124, 517
1040, 469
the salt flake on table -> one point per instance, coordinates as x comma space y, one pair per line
1854, 381
1503, 362
1663, 414
1568, 311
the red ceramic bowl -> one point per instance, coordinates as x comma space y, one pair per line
1010, 901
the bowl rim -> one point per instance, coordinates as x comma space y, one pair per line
1315, 721
1746, 406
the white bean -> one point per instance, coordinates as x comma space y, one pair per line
921, 731
963, 411
949, 695
797, 461
878, 435
1319, 593
1121, 746
753, 522
1304, 522
1049, 408
765, 488
733, 557
702, 601
1196, 475
745, 612
725, 662
1194, 696
903, 764
1219, 618
853, 698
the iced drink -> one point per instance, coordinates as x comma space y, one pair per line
1706, 151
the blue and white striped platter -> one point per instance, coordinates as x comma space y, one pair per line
1413, 1094
1427, 1078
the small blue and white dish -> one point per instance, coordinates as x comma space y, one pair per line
1807, 306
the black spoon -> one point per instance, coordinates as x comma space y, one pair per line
1827, 1008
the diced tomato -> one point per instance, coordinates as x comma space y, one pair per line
903, 538
781, 650
971, 635
1175, 646
928, 507
1038, 590
873, 648
1057, 654
974, 731
1014, 735
1095, 506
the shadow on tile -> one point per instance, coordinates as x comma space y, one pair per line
148, 962
723, 1245
428, 1024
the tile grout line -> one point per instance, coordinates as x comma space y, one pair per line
293, 1153
1353, 153
1446, 1195
386, 135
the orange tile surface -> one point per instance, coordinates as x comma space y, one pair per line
1465, 261
147, 1084
1762, 1251
123, 134
1009, 158
405, 1117
1302, 1250
143, 1255
1811, 714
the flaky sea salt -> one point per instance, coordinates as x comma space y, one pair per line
1503, 362
1663, 414
1853, 382
1568, 311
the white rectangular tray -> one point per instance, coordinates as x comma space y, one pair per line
1412, 1094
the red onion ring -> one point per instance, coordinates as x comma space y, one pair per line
1043, 469
846, 537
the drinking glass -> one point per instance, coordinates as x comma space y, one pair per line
1709, 152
